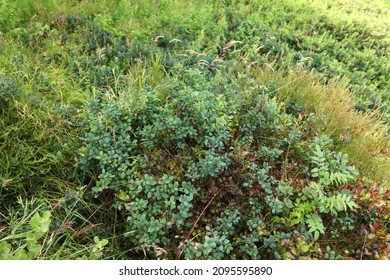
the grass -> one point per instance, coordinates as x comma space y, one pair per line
38, 121
74, 224
329, 57
362, 135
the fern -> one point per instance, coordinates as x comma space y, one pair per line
332, 204
340, 202
315, 225
317, 201
330, 167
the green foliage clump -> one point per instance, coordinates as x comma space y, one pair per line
183, 159
32, 232
31, 248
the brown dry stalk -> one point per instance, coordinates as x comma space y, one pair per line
195, 223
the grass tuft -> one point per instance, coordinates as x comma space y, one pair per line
362, 135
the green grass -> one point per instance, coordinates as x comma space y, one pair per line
323, 60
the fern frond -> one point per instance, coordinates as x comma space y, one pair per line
315, 224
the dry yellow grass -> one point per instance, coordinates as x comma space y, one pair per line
363, 136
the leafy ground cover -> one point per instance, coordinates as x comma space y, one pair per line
194, 129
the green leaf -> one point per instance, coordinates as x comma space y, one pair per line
31, 237
96, 239
104, 242
46, 216
315, 170
21, 255
35, 221
41, 224
315, 224
305, 248
5, 250
34, 250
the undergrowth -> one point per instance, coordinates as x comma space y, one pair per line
194, 130
164, 152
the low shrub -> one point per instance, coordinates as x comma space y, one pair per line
210, 167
